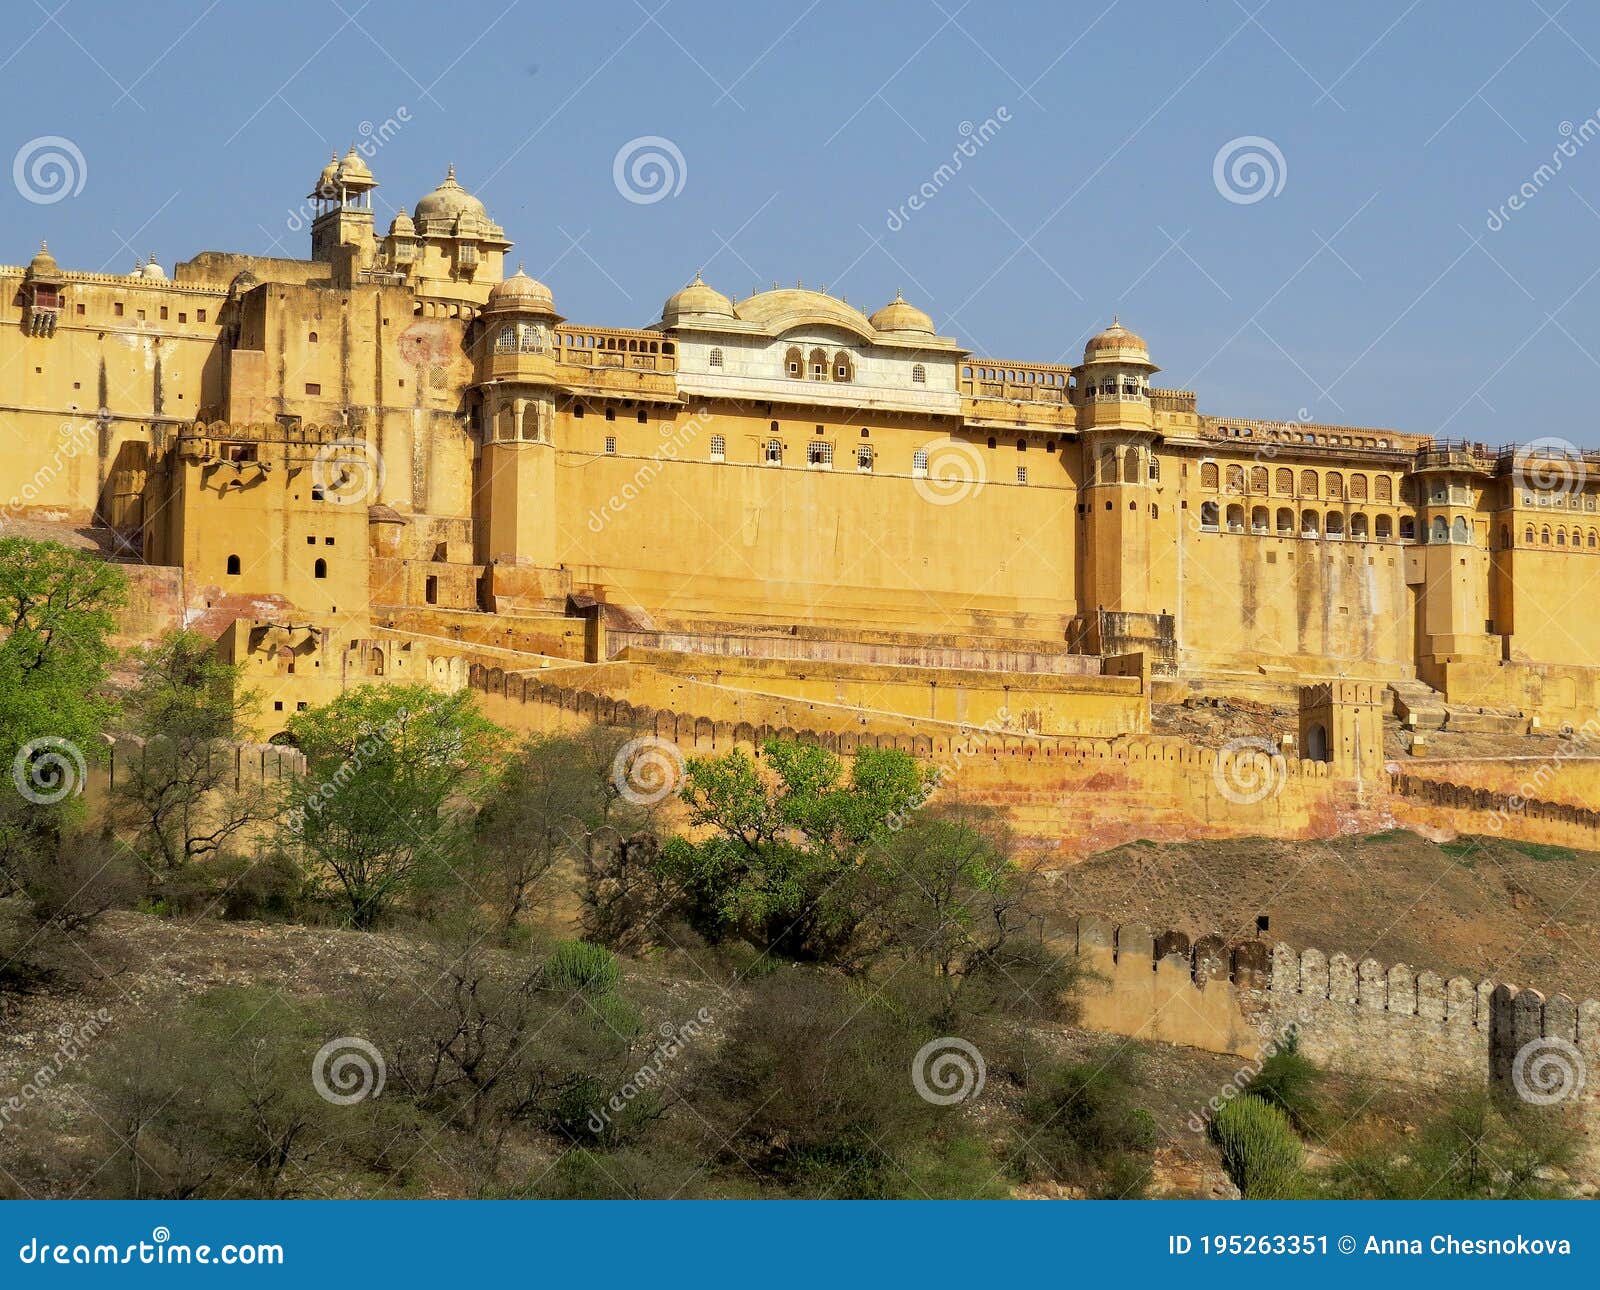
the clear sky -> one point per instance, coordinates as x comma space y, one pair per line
1380, 278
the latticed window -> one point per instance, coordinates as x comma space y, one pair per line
819, 454
864, 457
774, 452
715, 360
919, 374
719, 448
1385, 488
919, 462
1208, 474
611, 443
1285, 480
1258, 479
1022, 474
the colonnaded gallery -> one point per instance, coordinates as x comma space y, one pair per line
395, 459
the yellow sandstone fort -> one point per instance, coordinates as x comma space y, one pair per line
394, 459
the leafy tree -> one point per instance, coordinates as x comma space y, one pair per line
57, 612
554, 802
179, 800
946, 894
391, 775
776, 855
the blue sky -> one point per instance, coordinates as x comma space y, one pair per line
1368, 288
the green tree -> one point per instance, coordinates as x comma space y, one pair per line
554, 802
179, 800
775, 857
392, 773
57, 612
945, 894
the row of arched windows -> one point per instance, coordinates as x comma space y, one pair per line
1579, 538
1283, 523
1332, 484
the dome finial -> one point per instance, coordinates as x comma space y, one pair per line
450, 171
43, 245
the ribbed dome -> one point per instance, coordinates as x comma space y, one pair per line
327, 185
522, 293
696, 299
43, 264
1116, 342
897, 315
449, 200
354, 172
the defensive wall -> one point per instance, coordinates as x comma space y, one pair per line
1362, 1018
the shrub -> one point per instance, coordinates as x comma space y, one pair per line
578, 965
1082, 1126
1259, 1148
1287, 1080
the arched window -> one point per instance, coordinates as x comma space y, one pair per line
714, 359
1208, 474
1591, 539
1308, 482
1358, 488
1236, 479
1335, 528
1527, 535
1208, 515
1335, 486
819, 365
1258, 479
1384, 530
1408, 529
1236, 518
1309, 524
1358, 526
320, 568
794, 363
1459, 532
1441, 529
1285, 520
1285, 480
774, 452
1130, 465
1155, 470
1544, 537
1108, 466
1259, 520
919, 374
1561, 537
233, 564
843, 368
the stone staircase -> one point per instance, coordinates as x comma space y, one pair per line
1420, 707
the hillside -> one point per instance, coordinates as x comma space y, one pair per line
1478, 907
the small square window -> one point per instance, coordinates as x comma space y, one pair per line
313, 388
199, 315
277, 705
611, 414
116, 309
163, 313
80, 309
183, 318
644, 419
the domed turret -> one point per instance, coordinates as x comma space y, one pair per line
153, 271
401, 225
697, 300
354, 173
43, 268
898, 315
449, 201
521, 294
1116, 344
327, 186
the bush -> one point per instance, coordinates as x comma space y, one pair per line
1287, 1080
578, 965
1259, 1148
1082, 1126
